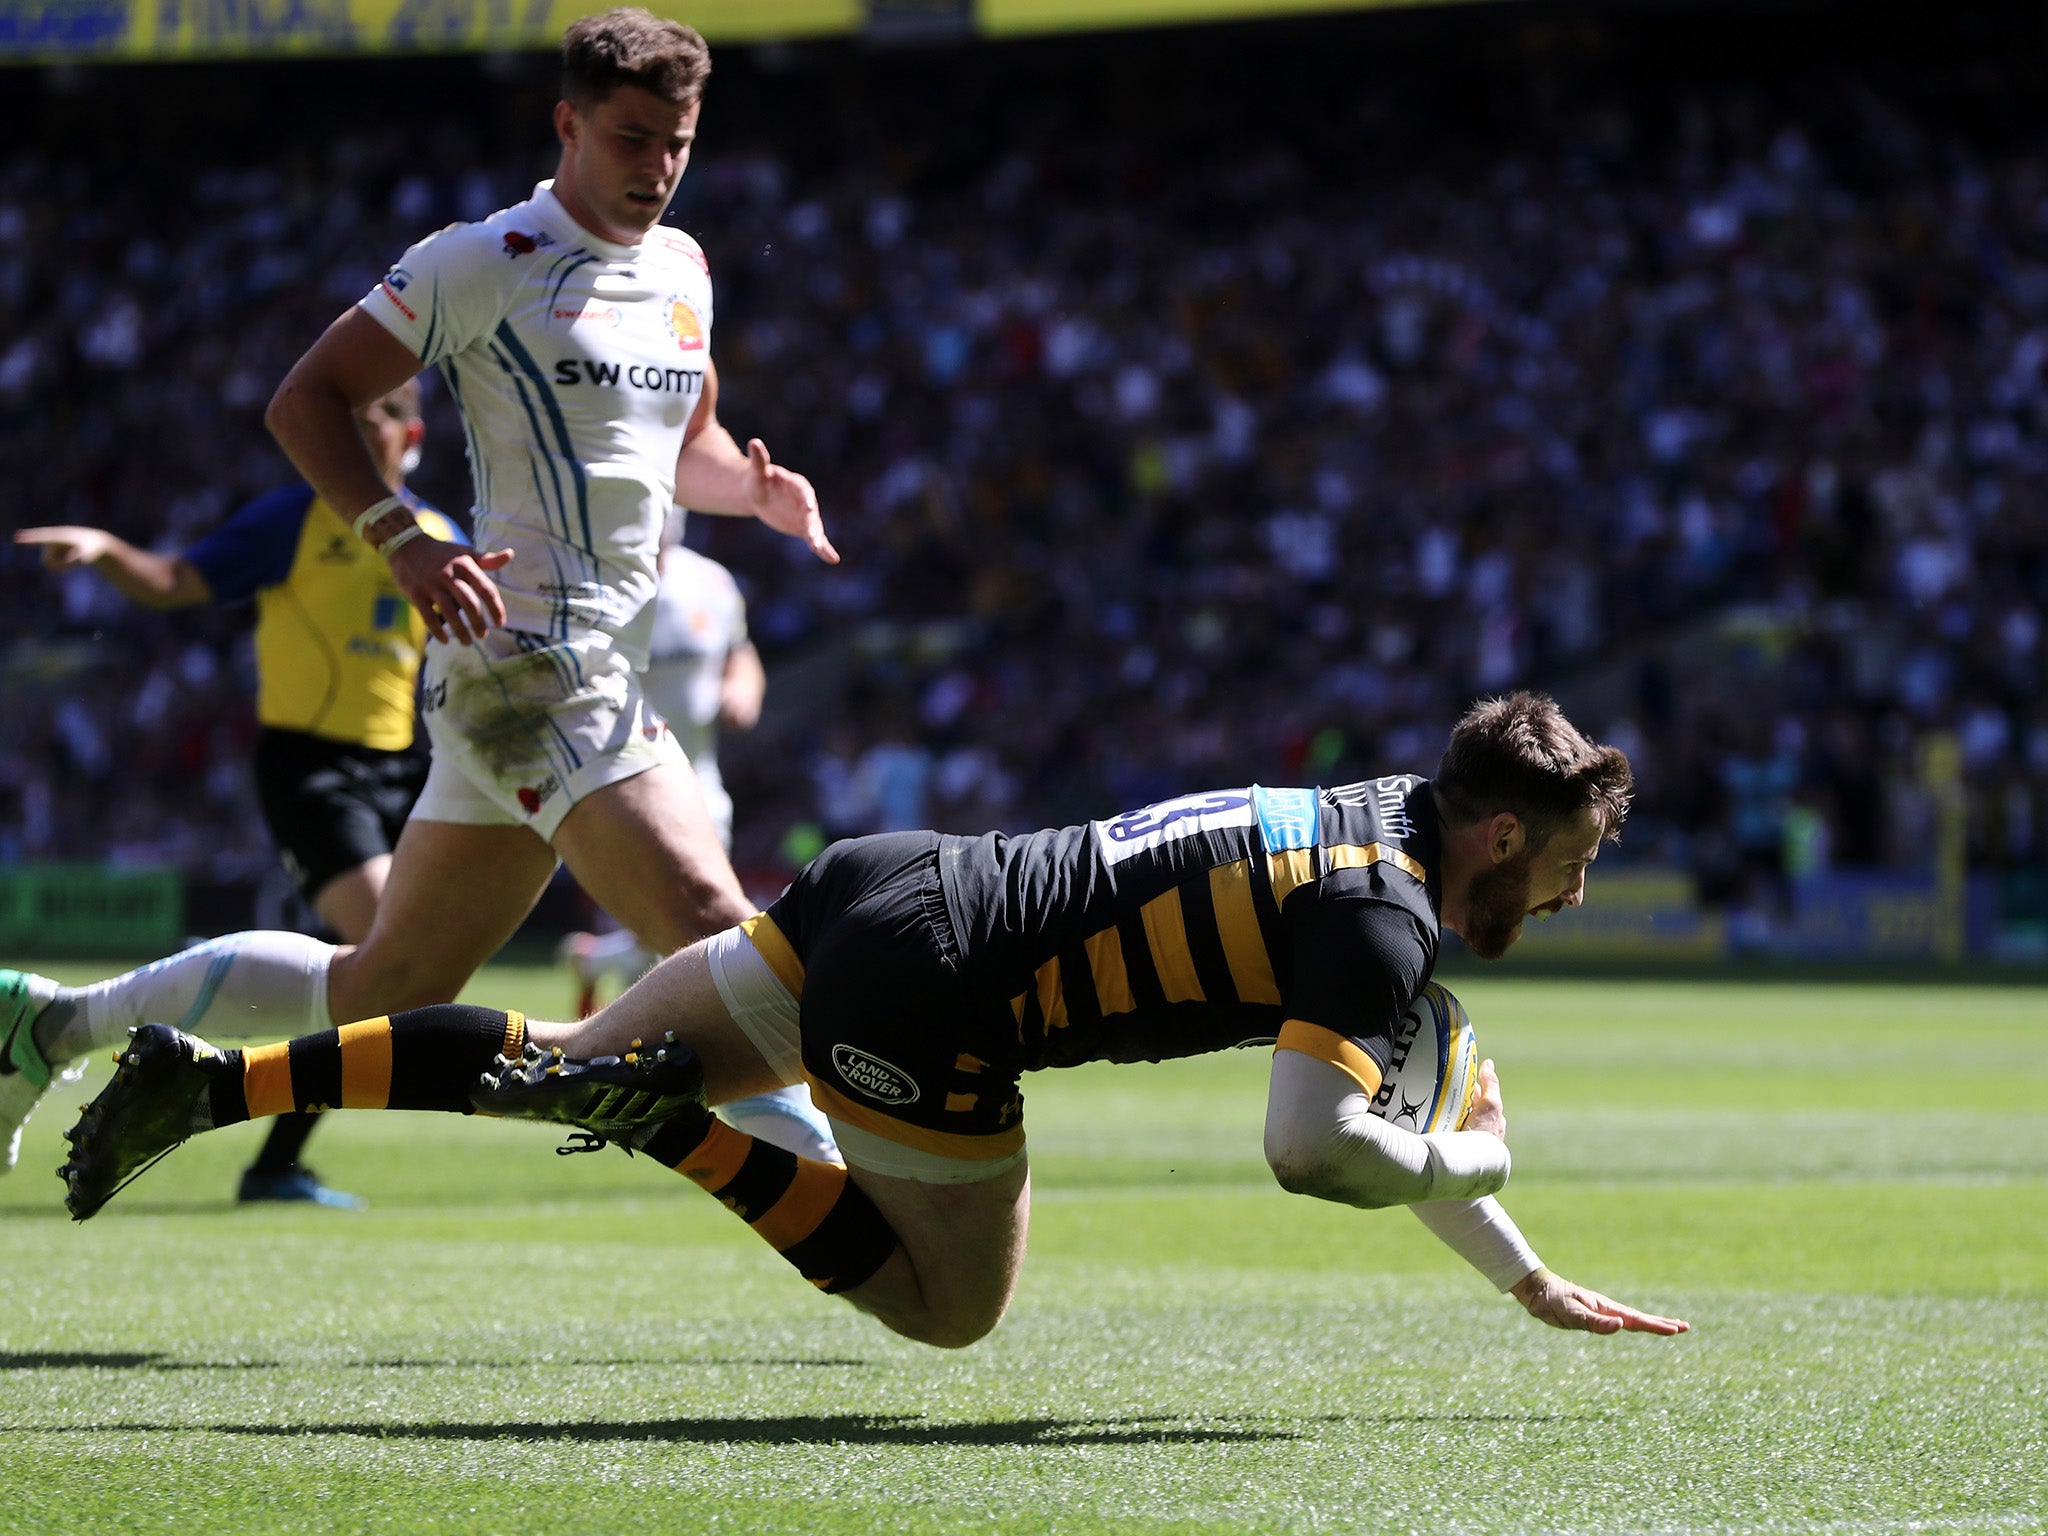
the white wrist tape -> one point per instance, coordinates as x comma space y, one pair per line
404, 535
372, 512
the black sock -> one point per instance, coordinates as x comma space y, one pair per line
287, 1139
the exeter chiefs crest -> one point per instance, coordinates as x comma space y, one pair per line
684, 325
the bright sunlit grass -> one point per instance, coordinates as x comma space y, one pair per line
1845, 1190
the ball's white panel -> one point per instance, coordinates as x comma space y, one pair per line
1434, 1069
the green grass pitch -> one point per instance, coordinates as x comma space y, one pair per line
1844, 1188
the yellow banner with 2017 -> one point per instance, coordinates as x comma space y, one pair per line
52, 31
34, 31
1001, 18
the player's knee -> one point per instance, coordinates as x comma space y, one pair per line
946, 1326
945, 1330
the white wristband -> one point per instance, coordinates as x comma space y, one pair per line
371, 513
404, 535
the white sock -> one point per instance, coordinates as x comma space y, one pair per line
244, 984
616, 953
785, 1118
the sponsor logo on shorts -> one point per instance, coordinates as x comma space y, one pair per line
434, 696
872, 1076
533, 797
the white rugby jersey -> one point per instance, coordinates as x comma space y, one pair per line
576, 364
699, 617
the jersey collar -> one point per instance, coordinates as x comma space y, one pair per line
544, 198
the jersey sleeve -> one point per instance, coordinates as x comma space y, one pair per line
445, 293
254, 548
1359, 961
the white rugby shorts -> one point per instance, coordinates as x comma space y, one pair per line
523, 727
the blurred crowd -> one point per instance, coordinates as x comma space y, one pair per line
1163, 457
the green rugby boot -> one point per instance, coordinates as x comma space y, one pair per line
608, 1098
25, 1075
157, 1100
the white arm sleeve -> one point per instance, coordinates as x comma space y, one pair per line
1322, 1139
1484, 1236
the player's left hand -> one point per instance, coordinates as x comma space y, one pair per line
1487, 1113
785, 501
1555, 1300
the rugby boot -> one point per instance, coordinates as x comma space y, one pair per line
25, 1073
296, 1185
609, 1098
158, 1099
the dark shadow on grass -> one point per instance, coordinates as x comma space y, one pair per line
118, 1360
1462, 1418
110, 1360
864, 1429
78, 1359
692, 1361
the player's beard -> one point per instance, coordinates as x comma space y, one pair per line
1496, 905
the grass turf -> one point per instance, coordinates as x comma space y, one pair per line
1844, 1188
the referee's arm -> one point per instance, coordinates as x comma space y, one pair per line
153, 580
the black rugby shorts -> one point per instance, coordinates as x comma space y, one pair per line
895, 1039
331, 805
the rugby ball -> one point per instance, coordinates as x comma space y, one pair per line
1434, 1069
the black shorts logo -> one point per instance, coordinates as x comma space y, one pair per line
872, 1076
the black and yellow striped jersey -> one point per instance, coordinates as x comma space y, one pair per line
1233, 917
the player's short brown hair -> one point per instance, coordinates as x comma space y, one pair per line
1520, 754
632, 46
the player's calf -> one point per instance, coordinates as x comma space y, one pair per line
652, 1100
172, 1086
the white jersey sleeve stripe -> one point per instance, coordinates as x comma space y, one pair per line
553, 507
479, 462
567, 449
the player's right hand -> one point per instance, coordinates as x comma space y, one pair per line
1555, 1300
451, 587
66, 546
1487, 1113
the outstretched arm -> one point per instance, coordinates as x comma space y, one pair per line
713, 475
153, 580
1322, 1140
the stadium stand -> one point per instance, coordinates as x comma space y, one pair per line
1183, 419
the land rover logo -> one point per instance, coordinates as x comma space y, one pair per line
873, 1076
